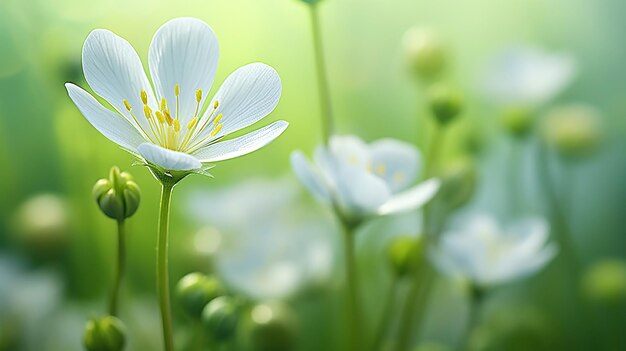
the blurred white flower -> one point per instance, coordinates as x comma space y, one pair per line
487, 255
270, 247
363, 180
169, 127
527, 76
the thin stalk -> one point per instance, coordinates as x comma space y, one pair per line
475, 303
515, 159
322, 76
386, 315
163, 289
121, 259
352, 294
423, 278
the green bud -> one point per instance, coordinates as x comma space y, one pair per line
425, 54
445, 104
196, 290
403, 252
605, 281
517, 121
573, 130
271, 327
118, 196
220, 317
105, 334
458, 185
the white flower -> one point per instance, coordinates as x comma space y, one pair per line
488, 255
527, 76
169, 127
364, 180
277, 249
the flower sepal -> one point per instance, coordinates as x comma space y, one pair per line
173, 177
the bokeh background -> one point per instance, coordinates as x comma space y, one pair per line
252, 223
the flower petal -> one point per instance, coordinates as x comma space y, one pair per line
245, 144
396, 162
168, 159
309, 176
110, 124
412, 198
114, 71
360, 192
247, 95
184, 51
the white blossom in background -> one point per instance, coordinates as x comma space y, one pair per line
486, 254
363, 180
527, 76
270, 246
175, 126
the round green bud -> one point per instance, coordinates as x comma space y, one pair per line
220, 317
517, 121
424, 53
445, 104
104, 334
605, 281
118, 196
573, 130
195, 290
458, 185
403, 254
271, 327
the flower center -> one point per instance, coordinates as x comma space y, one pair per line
166, 130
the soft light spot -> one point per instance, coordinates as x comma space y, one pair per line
399, 177
380, 169
262, 314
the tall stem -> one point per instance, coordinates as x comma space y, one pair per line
423, 278
352, 294
475, 303
387, 314
515, 159
121, 259
322, 80
163, 289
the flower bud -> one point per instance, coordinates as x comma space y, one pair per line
403, 252
118, 196
517, 121
458, 183
445, 104
573, 130
195, 290
424, 53
605, 281
271, 327
220, 317
105, 334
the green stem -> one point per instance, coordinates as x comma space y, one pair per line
352, 294
515, 185
423, 278
386, 316
163, 289
121, 258
322, 80
475, 303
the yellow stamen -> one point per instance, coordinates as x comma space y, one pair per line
217, 119
216, 104
198, 95
168, 117
160, 117
144, 97
176, 90
192, 123
216, 130
163, 104
399, 177
380, 169
176, 125
127, 105
147, 111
